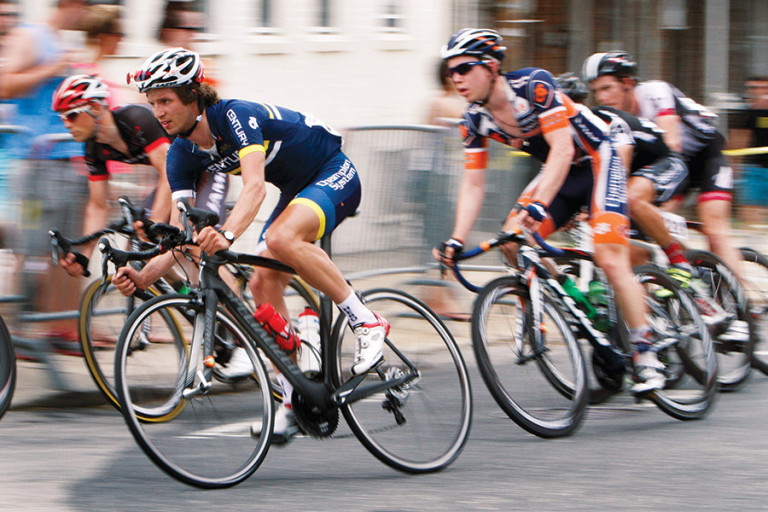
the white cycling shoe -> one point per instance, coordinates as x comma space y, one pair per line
285, 426
370, 345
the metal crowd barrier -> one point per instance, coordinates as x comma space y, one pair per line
410, 177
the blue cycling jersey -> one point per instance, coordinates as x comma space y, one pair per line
296, 146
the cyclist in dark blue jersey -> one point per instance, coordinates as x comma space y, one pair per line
526, 109
319, 188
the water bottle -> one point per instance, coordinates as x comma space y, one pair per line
309, 332
598, 297
277, 326
576, 294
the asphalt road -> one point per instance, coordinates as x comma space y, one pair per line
67, 452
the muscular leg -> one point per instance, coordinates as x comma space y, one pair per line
614, 260
716, 217
641, 194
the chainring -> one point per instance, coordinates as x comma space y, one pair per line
315, 423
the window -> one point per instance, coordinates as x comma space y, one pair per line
265, 12
391, 17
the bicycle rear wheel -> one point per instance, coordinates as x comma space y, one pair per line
541, 388
684, 346
7, 369
195, 428
423, 424
734, 357
103, 312
755, 274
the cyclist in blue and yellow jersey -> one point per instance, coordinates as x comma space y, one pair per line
527, 110
263, 143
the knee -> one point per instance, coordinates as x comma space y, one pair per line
280, 243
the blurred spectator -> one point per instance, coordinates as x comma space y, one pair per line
752, 131
35, 60
447, 108
181, 26
9, 13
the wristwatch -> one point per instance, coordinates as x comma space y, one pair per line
229, 236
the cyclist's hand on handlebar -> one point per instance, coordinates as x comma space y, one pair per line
71, 265
210, 240
127, 280
448, 250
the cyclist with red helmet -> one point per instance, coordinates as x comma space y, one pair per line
689, 130
128, 134
526, 109
261, 142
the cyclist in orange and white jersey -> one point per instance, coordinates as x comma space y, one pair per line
526, 109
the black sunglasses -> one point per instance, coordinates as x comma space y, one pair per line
465, 67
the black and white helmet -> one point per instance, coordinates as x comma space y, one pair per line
479, 42
572, 85
173, 67
620, 64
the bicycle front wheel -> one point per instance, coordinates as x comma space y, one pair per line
422, 424
541, 386
754, 267
684, 346
195, 428
103, 312
734, 347
7, 369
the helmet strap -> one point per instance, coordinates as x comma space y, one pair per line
490, 87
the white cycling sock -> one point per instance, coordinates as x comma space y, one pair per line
287, 389
356, 311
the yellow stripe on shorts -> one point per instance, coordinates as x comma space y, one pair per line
319, 211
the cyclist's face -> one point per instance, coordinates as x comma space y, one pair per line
173, 115
474, 82
80, 123
609, 91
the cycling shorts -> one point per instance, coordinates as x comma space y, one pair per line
668, 175
334, 195
709, 172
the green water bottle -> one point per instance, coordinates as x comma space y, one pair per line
598, 297
576, 294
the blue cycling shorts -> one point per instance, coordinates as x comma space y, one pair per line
334, 195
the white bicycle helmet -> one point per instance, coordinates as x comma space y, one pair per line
173, 67
608, 63
480, 42
77, 91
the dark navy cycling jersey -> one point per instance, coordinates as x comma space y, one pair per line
139, 130
646, 137
296, 146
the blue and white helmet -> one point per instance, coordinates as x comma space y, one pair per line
479, 42
173, 67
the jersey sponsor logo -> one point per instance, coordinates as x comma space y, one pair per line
542, 94
340, 178
237, 126
253, 123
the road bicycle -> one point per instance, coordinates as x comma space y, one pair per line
718, 282
755, 283
412, 411
525, 332
103, 310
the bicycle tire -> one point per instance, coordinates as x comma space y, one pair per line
421, 426
674, 318
755, 284
734, 360
527, 392
103, 312
206, 442
7, 369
